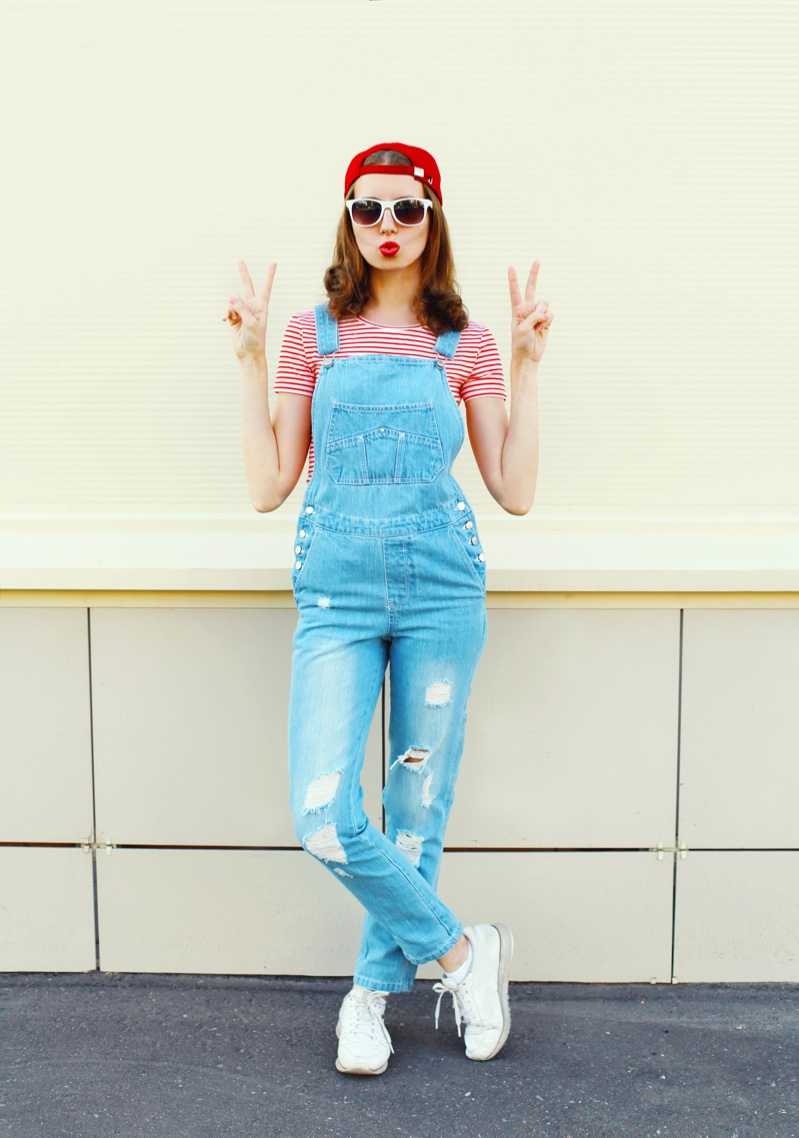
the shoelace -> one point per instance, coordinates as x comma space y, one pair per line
460, 1001
368, 1015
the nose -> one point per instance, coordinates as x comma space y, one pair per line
387, 222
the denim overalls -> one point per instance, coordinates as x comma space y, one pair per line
388, 570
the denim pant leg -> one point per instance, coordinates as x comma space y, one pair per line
431, 673
335, 684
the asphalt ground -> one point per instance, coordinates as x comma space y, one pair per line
105, 1055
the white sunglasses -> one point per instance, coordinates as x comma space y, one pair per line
406, 211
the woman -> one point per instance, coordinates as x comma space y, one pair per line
389, 569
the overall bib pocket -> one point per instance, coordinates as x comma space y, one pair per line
383, 444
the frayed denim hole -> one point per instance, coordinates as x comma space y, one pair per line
415, 758
321, 792
324, 844
438, 694
410, 844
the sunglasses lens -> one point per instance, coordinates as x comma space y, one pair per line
366, 211
409, 211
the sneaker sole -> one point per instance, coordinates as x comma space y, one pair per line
356, 1070
503, 976
359, 1070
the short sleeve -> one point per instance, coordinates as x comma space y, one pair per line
294, 370
487, 376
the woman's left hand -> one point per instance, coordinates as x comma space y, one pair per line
530, 320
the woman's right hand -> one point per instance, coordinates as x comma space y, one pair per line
247, 315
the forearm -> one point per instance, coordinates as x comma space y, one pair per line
519, 461
261, 459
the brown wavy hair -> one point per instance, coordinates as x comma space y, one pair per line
437, 305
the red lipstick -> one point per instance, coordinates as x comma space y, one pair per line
389, 248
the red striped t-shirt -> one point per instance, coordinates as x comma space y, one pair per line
474, 370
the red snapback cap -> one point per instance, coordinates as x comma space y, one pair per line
424, 166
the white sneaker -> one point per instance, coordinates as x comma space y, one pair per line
364, 1044
481, 999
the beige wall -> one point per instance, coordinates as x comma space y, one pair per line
636, 691
601, 740
640, 151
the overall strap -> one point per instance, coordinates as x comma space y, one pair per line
446, 344
326, 331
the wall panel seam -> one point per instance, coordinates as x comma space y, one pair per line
110, 847
93, 839
677, 790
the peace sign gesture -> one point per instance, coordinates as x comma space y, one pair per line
247, 315
530, 321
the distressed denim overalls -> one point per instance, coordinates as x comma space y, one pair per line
388, 570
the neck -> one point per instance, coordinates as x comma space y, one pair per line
392, 294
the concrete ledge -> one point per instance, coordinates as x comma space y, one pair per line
188, 554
